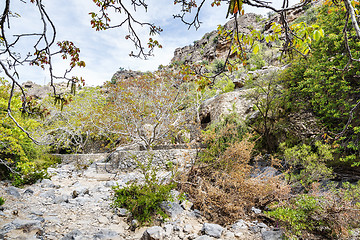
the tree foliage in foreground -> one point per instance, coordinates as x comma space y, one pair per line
327, 82
20, 159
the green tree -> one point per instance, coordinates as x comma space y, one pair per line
327, 81
18, 154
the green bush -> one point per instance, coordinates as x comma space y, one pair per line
220, 136
18, 154
224, 85
218, 66
308, 164
143, 200
256, 61
266, 94
297, 217
2, 201
327, 85
327, 214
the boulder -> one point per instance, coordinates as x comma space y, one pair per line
213, 109
153, 233
26, 225
13, 191
272, 235
213, 230
171, 208
240, 225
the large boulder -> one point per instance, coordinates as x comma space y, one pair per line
213, 109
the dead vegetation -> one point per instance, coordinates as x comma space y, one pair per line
224, 189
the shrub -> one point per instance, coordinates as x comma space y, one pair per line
219, 66
327, 85
216, 39
266, 94
2, 201
220, 136
308, 164
329, 214
18, 154
220, 184
224, 85
256, 61
143, 200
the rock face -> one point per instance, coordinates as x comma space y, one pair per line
36, 91
124, 74
211, 47
75, 204
214, 108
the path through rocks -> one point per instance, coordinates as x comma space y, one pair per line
76, 204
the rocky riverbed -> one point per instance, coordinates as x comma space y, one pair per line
76, 204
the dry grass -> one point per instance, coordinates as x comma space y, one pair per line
224, 190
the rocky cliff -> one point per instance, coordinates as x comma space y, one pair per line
211, 46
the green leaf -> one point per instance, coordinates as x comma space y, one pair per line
256, 49
267, 38
317, 35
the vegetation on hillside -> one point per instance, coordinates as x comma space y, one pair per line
255, 163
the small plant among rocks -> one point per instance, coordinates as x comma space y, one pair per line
2, 201
143, 200
329, 214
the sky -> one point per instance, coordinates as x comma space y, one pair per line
105, 52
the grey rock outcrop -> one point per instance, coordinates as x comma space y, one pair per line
211, 46
172, 209
214, 108
13, 191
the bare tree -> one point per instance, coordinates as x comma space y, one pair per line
146, 110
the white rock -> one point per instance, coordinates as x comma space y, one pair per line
213, 230
188, 228
187, 205
103, 220
153, 233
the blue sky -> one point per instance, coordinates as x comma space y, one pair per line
104, 52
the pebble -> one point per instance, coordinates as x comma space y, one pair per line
103, 220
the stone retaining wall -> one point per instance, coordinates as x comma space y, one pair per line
127, 160
82, 158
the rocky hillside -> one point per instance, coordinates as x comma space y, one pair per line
254, 149
211, 47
